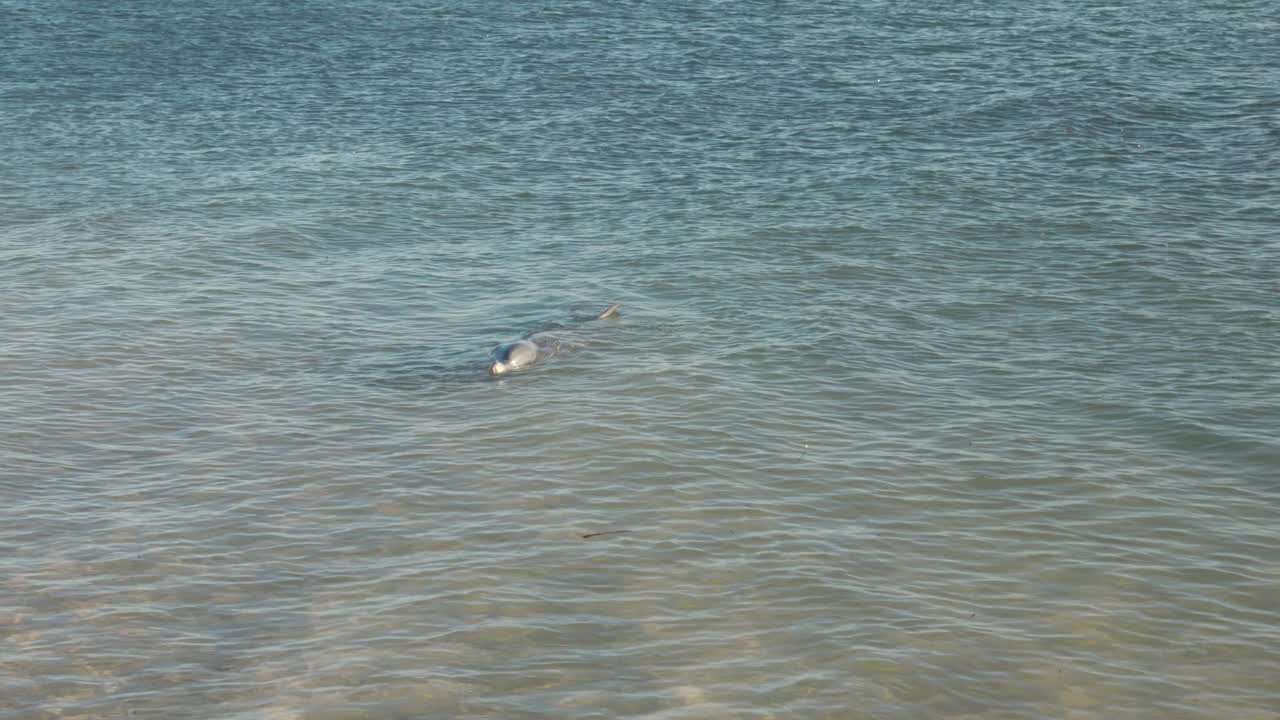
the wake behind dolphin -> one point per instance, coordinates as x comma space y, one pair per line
522, 353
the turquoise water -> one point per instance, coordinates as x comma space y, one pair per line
945, 383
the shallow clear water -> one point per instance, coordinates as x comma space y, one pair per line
945, 386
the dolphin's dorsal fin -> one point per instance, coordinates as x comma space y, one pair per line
609, 312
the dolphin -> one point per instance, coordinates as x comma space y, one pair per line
520, 354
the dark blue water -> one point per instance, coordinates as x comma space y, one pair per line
945, 383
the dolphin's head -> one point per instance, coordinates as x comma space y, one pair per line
512, 356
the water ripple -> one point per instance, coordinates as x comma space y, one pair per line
944, 386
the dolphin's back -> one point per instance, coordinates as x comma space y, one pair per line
515, 354
525, 352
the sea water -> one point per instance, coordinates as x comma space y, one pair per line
945, 382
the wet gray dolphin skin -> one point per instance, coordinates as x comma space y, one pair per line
522, 353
